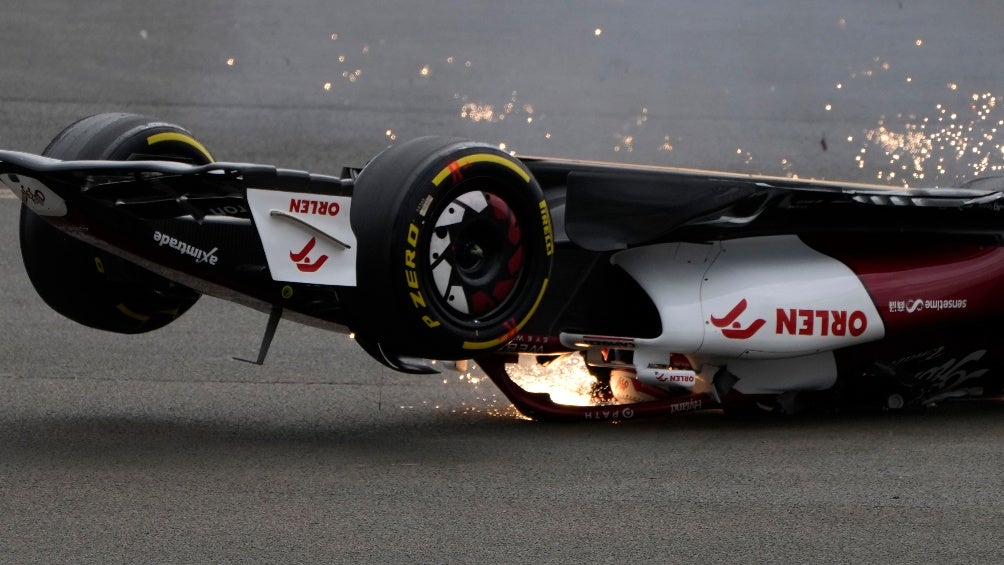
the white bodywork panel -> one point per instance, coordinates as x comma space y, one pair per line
776, 376
39, 198
307, 237
755, 298
770, 309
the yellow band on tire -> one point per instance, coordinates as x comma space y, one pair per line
479, 158
130, 313
511, 333
181, 138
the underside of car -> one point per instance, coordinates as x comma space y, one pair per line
679, 290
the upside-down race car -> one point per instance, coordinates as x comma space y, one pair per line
682, 290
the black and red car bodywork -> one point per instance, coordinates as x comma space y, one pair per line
691, 289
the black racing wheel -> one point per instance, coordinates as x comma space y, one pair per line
90, 285
455, 247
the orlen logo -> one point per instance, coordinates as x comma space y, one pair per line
821, 322
684, 377
795, 321
305, 263
730, 326
318, 207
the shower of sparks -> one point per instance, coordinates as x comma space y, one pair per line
490, 400
629, 132
565, 378
490, 113
928, 149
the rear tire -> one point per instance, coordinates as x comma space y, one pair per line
89, 285
455, 249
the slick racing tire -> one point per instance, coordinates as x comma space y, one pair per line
89, 285
455, 248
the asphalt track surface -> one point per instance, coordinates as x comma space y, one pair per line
161, 448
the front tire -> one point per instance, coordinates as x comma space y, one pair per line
455, 248
87, 284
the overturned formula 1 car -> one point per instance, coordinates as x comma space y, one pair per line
682, 290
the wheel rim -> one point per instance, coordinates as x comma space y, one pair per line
476, 254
